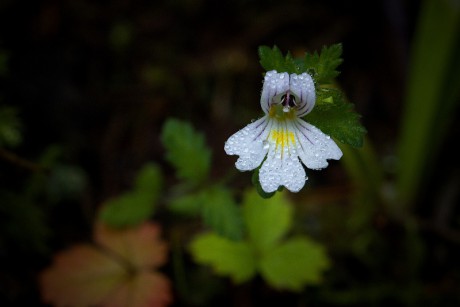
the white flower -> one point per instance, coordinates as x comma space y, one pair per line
282, 136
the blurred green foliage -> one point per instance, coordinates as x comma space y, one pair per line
186, 150
138, 205
432, 92
285, 263
10, 127
212, 202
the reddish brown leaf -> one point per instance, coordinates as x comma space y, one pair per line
119, 273
141, 245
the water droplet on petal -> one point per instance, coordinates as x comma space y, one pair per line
266, 144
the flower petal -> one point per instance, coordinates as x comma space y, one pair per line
286, 171
313, 146
304, 88
274, 84
282, 166
248, 143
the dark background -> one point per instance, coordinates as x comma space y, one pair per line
99, 78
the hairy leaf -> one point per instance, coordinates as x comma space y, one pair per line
273, 59
335, 117
323, 67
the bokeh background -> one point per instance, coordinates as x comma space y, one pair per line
92, 83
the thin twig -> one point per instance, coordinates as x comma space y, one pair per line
21, 162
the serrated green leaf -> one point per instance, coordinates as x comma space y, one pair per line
221, 213
323, 67
267, 220
137, 205
226, 257
294, 264
273, 59
335, 117
186, 150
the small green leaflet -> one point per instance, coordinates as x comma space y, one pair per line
285, 264
186, 150
323, 67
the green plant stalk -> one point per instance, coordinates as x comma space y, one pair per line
362, 166
366, 176
432, 50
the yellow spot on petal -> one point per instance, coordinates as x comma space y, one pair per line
282, 137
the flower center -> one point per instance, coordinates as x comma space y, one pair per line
285, 108
288, 101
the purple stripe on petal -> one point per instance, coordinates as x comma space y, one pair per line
298, 123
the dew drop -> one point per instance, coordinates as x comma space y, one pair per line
266, 144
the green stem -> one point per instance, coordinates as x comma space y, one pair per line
432, 54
